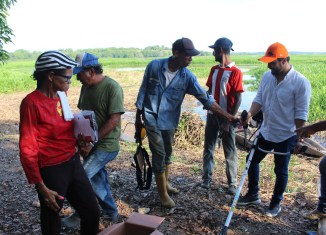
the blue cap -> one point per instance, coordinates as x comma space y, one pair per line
85, 60
222, 43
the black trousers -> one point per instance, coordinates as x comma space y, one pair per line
70, 181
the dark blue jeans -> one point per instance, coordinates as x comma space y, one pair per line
281, 166
322, 196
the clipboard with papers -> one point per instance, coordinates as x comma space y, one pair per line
85, 124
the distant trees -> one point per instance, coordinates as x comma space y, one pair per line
156, 51
110, 52
5, 31
20, 54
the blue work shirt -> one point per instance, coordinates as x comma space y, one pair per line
161, 105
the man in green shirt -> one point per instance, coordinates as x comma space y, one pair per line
104, 96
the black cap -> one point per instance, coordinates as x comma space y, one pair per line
222, 43
185, 45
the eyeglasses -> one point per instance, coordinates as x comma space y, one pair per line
64, 76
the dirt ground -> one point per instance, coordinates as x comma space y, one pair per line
198, 211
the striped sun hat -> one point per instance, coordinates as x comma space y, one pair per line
53, 60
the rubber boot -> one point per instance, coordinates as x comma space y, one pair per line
166, 201
169, 188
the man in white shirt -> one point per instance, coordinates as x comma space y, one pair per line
283, 96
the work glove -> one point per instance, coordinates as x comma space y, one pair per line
139, 126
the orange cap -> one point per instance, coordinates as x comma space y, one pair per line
274, 51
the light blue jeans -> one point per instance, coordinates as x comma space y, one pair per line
212, 130
94, 166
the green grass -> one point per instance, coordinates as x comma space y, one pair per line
179, 159
125, 62
15, 76
196, 168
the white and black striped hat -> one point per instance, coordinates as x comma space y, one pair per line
53, 60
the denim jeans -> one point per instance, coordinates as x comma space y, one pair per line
212, 131
281, 166
322, 196
160, 144
94, 166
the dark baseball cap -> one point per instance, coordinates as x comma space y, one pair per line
222, 43
185, 45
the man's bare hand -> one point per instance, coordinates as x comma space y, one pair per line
304, 132
84, 147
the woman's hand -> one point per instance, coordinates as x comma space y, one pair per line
49, 197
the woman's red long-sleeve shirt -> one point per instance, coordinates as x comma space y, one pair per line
46, 139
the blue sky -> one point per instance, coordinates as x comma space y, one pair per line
252, 25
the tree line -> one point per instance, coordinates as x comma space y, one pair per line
111, 52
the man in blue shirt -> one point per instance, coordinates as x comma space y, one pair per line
164, 86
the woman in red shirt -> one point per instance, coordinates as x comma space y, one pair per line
48, 150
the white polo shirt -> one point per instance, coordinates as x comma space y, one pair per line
283, 103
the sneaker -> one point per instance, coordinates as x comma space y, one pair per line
232, 190
315, 214
248, 199
206, 184
72, 221
112, 218
273, 211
